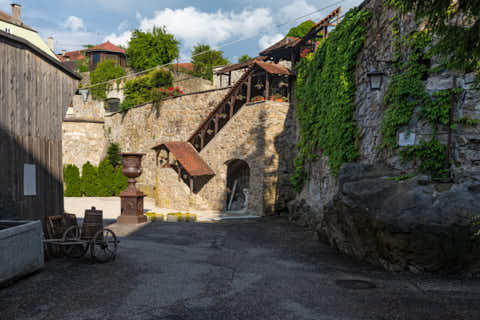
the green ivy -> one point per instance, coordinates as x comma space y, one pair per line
106, 70
432, 157
407, 89
326, 93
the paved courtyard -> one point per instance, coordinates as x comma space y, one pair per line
254, 269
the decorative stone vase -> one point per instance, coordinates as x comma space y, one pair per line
132, 198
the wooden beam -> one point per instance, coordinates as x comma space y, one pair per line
267, 86
249, 88
179, 171
202, 139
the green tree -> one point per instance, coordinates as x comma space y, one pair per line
90, 183
120, 182
82, 64
244, 58
113, 154
204, 59
71, 176
140, 90
149, 49
105, 71
301, 30
106, 175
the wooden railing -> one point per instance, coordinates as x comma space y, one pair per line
225, 110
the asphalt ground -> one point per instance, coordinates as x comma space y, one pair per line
253, 269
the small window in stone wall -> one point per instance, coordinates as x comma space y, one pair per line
29, 180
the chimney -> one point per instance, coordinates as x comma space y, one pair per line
51, 44
63, 52
16, 13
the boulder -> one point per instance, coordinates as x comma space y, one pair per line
415, 224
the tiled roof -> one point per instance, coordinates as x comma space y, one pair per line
273, 68
238, 66
285, 43
187, 66
6, 18
189, 158
107, 46
75, 55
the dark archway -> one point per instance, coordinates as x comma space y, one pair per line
238, 184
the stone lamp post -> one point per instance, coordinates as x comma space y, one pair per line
132, 198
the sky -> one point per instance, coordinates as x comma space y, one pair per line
236, 27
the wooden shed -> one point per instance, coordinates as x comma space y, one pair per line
35, 92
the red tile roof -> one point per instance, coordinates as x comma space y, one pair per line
107, 46
187, 66
75, 55
273, 68
238, 66
189, 158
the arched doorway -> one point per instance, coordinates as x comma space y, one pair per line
238, 185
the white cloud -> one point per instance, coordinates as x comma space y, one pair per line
267, 40
294, 10
74, 23
192, 26
123, 26
120, 39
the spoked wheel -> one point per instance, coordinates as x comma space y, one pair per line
74, 251
104, 246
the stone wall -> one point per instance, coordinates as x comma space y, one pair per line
82, 142
364, 212
141, 128
261, 134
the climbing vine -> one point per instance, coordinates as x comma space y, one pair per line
407, 94
326, 93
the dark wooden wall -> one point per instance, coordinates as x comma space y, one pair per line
34, 96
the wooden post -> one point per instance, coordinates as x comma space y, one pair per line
230, 78
191, 183
267, 86
216, 123
179, 171
202, 139
249, 88
232, 104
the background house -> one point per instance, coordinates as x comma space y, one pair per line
106, 51
34, 95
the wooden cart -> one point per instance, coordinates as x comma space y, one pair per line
65, 237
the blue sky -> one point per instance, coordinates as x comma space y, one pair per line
216, 22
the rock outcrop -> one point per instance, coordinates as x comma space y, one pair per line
416, 224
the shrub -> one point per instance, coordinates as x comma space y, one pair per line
106, 174
105, 71
90, 183
139, 90
301, 30
120, 182
113, 154
71, 175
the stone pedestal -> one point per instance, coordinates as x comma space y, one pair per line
132, 198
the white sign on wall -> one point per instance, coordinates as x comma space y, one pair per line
29, 180
406, 139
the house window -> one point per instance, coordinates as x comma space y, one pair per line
95, 59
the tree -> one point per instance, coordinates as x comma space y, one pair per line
120, 182
90, 183
301, 30
106, 174
204, 59
71, 176
149, 49
105, 71
113, 154
244, 58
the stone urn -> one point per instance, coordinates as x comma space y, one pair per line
132, 198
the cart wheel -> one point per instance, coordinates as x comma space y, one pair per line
74, 251
104, 246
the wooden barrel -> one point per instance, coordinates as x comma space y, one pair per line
92, 223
